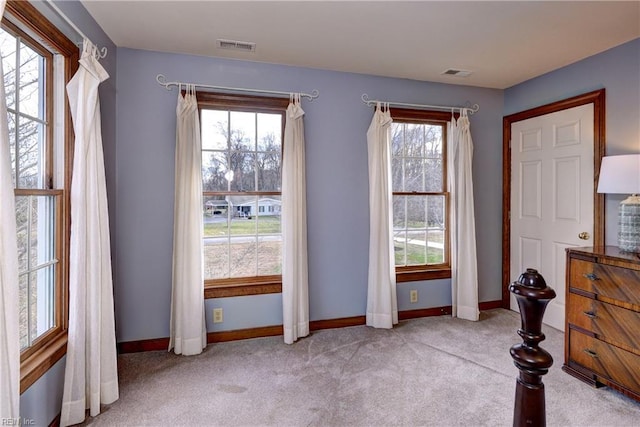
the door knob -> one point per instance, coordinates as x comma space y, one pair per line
584, 235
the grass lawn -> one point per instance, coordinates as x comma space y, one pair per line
243, 226
416, 255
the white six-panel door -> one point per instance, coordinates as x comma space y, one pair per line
551, 197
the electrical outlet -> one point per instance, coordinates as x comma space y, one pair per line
217, 315
413, 295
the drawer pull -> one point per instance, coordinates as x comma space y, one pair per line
591, 353
589, 314
591, 276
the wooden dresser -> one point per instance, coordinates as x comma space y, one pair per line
602, 330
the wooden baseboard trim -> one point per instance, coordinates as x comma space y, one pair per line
154, 344
490, 305
157, 344
424, 312
244, 334
56, 421
344, 322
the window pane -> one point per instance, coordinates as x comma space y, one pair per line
397, 135
436, 211
433, 175
269, 215
269, 256
435, 249
416, 248
37, 304
232, 235
8, 50
216, 259
269, 236
214, 125
269, 174
419, 229
30, 154
413, 175
414, 140
399, 246
245, 207
22, 226
243, 131
215, 211
269, 132
35, 220
41, 301
243, 256
23, 316
216, 217
243, 165
433, 139
397, 174
31, 85
416, 212
11, 122
42, 230
215, 174
399, 212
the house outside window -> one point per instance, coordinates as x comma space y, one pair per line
37, 63
241, 170
420, 197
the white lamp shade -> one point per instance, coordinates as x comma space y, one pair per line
620, 174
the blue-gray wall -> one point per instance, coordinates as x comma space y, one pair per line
616, 70
337, 187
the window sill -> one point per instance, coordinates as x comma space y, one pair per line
273, 284
414, 275
243, 287
34, 366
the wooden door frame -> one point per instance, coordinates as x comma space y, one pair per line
597, 98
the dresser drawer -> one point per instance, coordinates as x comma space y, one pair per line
606, 361
613, 324
617, 283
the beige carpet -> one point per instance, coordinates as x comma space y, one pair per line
433, 371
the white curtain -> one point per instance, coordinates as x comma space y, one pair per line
91, 376
295, 276
382, 304
9, 336
188, 332
464, 270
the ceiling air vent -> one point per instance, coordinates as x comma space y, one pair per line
456, 72
236, 45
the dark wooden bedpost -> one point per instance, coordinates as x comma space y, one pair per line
533, 295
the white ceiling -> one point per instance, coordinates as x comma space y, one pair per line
502, 42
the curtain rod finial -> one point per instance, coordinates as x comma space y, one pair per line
366, 100
161, 79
